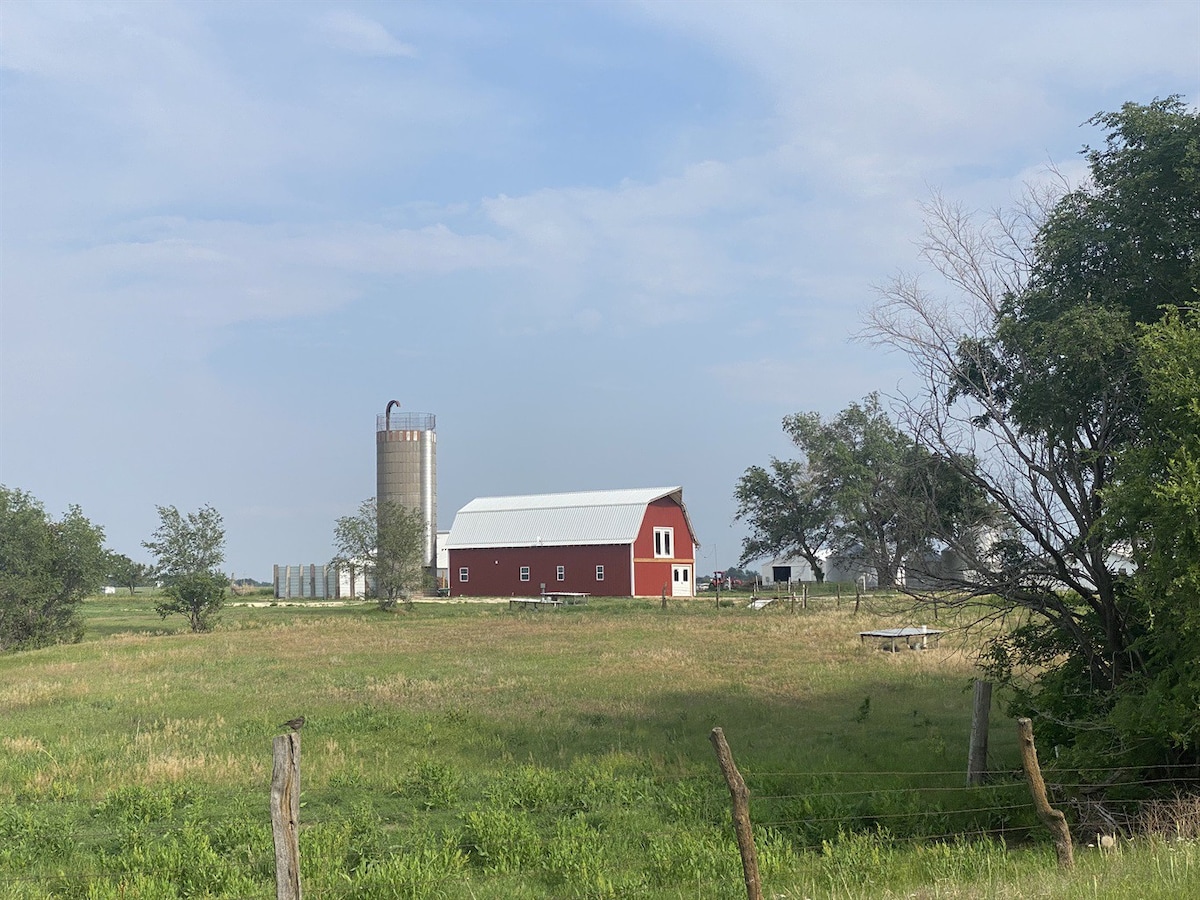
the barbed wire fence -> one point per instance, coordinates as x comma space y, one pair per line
995, 809
813, 809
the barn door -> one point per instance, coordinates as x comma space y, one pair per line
681, 581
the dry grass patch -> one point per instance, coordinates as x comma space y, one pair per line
33, 692
23, 745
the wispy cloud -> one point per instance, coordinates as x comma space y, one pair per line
354, 33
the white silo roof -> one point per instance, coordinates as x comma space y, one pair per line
556, 520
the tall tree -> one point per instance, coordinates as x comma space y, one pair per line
1155, 506
124, 571
188, 550
47, 567
891, 499
384, 541
787, 512
1034, 372
863, 488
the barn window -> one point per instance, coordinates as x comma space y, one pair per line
464, 575
599, 573
562, 573
524, 573
662, 541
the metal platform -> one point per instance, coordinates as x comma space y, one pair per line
914, 637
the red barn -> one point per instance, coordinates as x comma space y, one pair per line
625, 543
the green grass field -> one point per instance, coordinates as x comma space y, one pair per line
469, 751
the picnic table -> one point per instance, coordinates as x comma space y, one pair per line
570, 598
553, 599
915, 638
531, 602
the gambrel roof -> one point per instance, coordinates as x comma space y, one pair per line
557, 520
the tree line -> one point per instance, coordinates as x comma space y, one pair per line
48, 566
1046, 474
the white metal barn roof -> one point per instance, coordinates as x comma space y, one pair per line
555, 520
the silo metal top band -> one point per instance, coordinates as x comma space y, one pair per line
412, 421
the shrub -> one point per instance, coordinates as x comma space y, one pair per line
499, 840
415, 874
684, 856
575, 853
135, 803
30, 836
184, 857
525, 787
433, 783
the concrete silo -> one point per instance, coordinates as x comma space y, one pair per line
406, 467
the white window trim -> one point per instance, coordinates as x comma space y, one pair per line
561, 573
599, 573
524, 573
464, 574
664, 542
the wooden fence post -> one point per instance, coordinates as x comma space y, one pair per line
981, 708
285, 815
1051, 818
741, 814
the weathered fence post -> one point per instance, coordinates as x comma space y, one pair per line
804, 596
981, 708
1051, 818
741, 814
285, 815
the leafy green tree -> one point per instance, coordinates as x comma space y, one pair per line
385, 541
124, 571
888, 497
863, 487
1124, 241
188, 549
1038, 375
744, 577
788, 514
1155, 506
861, 458
47, 567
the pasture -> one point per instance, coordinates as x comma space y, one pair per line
467, 751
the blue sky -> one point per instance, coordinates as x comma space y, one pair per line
608, 244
